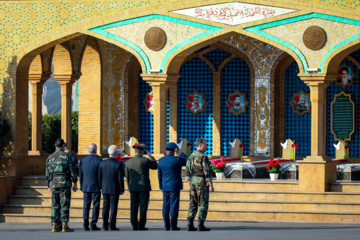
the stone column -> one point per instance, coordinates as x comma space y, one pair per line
37, 81
173, 137
317, 170
160, 85
216, 114
66, 82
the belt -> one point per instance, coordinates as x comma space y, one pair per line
198, 175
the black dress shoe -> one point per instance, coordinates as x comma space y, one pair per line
95, 228
114, 229
143, 229
167, 229
105, 228
135, 229
86, 229
175, 229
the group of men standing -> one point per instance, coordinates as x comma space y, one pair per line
107, 177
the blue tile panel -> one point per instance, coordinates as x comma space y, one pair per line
195, 75
235, 76
146, 119
297, 127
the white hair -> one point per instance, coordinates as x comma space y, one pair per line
112, 150
92, 148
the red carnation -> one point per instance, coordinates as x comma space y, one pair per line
148, 104
275, 165
278, 161
297, 98
150, 98
271, 160
295, 104
268, 167
231, 104
232, 97
221, 164
191, 98
217, 166
222, 158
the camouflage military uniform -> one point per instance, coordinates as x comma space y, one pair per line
199, 172
63, 168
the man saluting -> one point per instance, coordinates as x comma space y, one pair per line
170, 182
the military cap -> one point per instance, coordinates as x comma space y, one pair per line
59, 142
171, 146
140, 145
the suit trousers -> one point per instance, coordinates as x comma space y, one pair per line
95, 198
170, 206
110, 201
139, 198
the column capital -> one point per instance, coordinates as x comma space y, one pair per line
66, 79
321, 80
38, 78
159, 79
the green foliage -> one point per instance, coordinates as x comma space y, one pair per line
5, 136
51, 130
6, 163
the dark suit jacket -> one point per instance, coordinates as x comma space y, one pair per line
169, 172
88, 173
111, 176
137, 173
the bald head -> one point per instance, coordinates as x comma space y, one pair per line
112, 150
92, 148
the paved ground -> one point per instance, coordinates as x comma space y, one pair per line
219, 231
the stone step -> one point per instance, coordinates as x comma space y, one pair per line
229, 195
233, 215
345, 187
252, 184
28, 200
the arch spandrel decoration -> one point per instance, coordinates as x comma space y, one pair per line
179, 32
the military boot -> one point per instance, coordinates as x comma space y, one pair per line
190, 225
65, 227
55, 228
201, 226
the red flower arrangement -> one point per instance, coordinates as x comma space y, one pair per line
273, 166
120, 159
218, 165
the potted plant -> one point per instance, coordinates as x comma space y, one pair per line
218, 167
273, 169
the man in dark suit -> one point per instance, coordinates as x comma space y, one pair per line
111, 182
170, 183
137, 176
89, 184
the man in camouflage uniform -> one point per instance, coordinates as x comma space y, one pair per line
199, 174
61, 171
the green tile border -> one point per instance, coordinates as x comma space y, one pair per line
258, 30
210, 29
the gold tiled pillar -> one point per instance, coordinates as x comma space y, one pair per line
66, 82
160, 85
216, 114
37, 82
317, 170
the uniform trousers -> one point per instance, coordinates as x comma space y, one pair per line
60, 205
199, 198
110, 201
171, 201
139, 198
95, 198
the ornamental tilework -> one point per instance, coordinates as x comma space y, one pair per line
175, 34
114, 61
336, 32
353, 89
